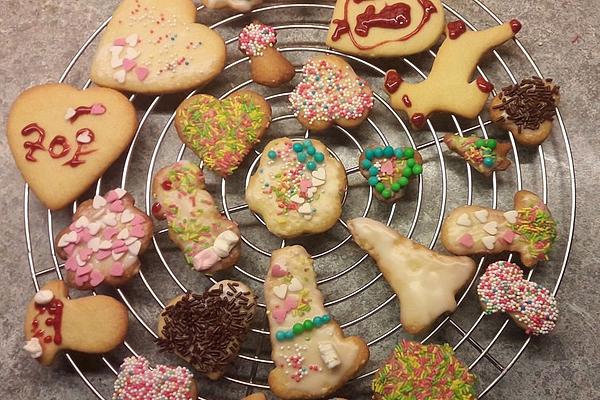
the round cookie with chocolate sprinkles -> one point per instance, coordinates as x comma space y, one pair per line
527, 109
207, 329
424, 372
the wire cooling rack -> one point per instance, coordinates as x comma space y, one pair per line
357, 295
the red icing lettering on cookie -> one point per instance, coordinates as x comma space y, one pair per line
484, 85
406, 101
94, 109
61, 142
32, 147
341, 29
515, 25
418, 120
456, 28
392, 81
55, 310
83, 137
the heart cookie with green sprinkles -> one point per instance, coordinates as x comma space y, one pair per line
389, 170
222, 132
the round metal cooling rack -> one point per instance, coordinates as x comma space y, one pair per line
371, 302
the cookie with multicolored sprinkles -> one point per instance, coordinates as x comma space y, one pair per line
268, 66
222, 132
416, 371
389, 170
137, 380
503, 288
207, 329
331, 93
298, 187
485, 155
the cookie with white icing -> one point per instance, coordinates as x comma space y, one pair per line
298, 187
104, 241
527, 229
54, 322
209, 241
312, 356
155, 47
425, 281
208, 329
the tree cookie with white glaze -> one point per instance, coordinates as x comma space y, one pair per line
312, 356
54, 322
298, 187
209, 241
155, 47
104, 241
331, 93
485, 155
63, 139
426, 282
208, 329
528, 229
383, 28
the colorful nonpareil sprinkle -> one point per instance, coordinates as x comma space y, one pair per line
503, 288
328, 92
536, 225
255, 38
423, 372
137, 381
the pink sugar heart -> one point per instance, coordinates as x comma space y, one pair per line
304, 185
466, 240
205, 259
69, 249
117, 269
121, 249
103, 254
509, 236
97, 109
86, 269
96, 278
120, 42
387, 167
279, 315
277, 271
71, 264
111, 196
84, 236
116, 206
291, 302
109, 232
85, 254
128, 64
82, 279
118, 243
74, 228
138, 220
142, 73
137, 231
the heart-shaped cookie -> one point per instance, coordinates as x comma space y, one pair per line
222, 132
63, 138
155, 46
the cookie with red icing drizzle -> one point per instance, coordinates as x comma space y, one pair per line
54, 322
503, 288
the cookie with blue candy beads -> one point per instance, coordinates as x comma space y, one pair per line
390, 170
485, 155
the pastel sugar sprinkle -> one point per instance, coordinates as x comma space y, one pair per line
423, 372
539, 228
136, 381
503, 288
255, 38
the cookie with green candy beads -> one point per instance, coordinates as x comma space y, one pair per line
390, 170
423, 371
485, 155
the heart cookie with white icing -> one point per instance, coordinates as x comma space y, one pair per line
63, 139
155, 46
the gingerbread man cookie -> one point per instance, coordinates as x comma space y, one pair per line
382, 28
312, 356
222, 132
209, 241
104, 242
155, 47
298, 187
528, 229
137, 380
485, 155
527, 109
208, 329
268, 66
503, 288
53, 322
63, 138
426, 282
390, 170
448, 87
331, 92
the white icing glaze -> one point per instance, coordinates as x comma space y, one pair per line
43, 297
33, 347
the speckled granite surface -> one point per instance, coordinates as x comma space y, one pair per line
38, 41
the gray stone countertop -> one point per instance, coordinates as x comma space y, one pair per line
39, 39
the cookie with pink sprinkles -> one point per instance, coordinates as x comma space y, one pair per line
331, 93
503, 288
137, 380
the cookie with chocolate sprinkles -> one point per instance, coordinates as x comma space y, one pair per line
207, 329
527, 109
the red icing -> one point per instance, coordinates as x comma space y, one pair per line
156, 209
406, 101
89, 135
342, 27
79, 111
515, 25
60, 142
167, 185
484, 85
392, 81
418, 120
55, 310
32, 147
456, 28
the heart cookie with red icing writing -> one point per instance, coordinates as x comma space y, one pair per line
63, 138
155, 46
222, 132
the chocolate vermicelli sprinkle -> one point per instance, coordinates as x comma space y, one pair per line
208, 328
529, 103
